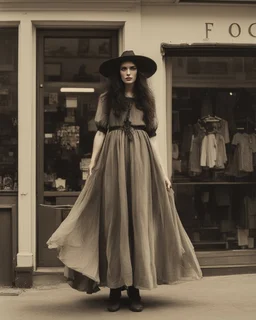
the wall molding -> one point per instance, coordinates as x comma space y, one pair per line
54, 5
90, 5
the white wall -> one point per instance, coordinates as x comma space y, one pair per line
186, 24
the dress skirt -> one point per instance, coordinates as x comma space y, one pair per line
124, 229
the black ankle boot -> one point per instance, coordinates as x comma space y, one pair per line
135, 299
114, 300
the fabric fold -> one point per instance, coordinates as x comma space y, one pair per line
126, 187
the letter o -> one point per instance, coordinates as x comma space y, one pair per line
250, 30
231, 30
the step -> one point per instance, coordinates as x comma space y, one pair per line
226, 257
53, 276
225, 270
48, 270
45, 276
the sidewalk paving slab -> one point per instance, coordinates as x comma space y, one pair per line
212, 298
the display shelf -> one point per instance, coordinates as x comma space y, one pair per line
61, 193
212, 183
8, 192
204, 228
208, 242
54, 84
7, 163
48, 58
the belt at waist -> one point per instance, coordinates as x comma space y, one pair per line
136, 127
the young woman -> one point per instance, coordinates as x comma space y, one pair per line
124, 231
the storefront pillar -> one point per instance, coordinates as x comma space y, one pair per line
26, 165
158, 85
168, 93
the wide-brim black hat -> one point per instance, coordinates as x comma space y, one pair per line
144, 64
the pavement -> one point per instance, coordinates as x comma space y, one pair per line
211, 298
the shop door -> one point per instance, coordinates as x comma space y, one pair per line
69, 85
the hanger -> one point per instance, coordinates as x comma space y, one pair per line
210, 118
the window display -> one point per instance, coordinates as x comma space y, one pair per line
68, 138
71, 62
213, 143
214, 150
8, 110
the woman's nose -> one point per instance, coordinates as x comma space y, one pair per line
128, 71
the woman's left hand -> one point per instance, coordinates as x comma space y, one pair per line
168, 183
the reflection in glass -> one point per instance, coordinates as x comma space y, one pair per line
69, 126
69, 132
75, 59
217, 105
75, 47
214, 150
8, 110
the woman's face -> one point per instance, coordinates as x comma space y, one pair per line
128, 72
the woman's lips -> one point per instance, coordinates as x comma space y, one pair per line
128, 78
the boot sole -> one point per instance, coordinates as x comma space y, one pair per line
134, 310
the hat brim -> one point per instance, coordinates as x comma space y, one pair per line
145, 65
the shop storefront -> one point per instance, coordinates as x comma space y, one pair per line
213, 148
58, 50
210, 108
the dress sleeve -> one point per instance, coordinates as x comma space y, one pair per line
152, 131
102, 115
236, 139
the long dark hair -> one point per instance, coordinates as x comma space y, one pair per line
144, 98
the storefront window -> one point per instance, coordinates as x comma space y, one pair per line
214, 149
71, 64
8, 110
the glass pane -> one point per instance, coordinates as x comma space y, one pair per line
214, 149
8, 110
75, 59
69, 126
214, 98
69, 131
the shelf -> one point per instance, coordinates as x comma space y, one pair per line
213, 183
8, 193
7, 164
54, 84
61, 193
205, 228
205, 243
74, 57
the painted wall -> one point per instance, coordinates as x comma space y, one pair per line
186, 24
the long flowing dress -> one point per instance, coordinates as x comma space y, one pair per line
124, 229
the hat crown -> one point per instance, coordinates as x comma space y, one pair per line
146, 65
128, 53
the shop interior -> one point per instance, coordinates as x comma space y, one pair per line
214, 150
69, 64
8, 111
70, 84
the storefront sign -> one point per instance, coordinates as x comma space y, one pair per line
234, 29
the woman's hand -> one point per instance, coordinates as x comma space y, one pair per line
91, 166
167, 183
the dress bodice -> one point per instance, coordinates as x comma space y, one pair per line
135, 117
105, 119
